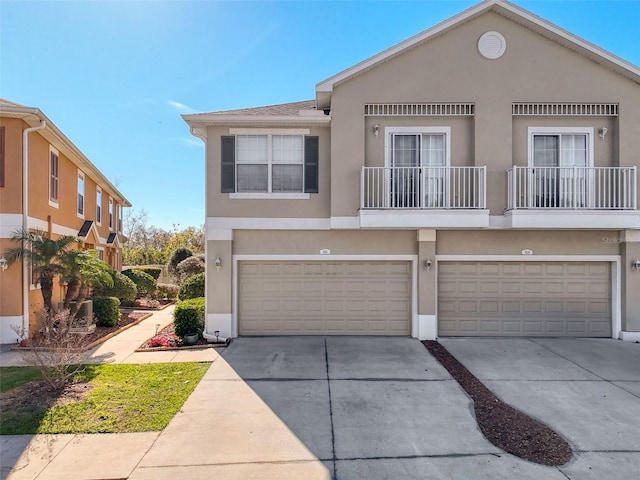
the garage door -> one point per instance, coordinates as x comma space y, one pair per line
524, 299
324, 298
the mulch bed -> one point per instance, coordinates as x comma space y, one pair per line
166, 339
86, 342
504, 426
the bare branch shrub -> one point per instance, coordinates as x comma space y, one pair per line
56, 352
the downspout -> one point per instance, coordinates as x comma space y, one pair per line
25, 216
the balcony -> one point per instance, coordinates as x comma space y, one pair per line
423, 197
572, 197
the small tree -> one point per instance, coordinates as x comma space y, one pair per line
193, 287
44, 256
178, 255
58, 355
189, 267
84, 270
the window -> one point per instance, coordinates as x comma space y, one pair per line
270, 164
110, 213
560, 159
418, 158
100, 253
81, 194
119, 218
98, 205
53, 177
1, 156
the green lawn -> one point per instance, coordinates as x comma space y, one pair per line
123, 398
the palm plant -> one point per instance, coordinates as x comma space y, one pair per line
83, 271
44, 255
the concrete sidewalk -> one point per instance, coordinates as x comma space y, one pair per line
361, 407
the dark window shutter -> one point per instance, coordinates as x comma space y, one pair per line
1, 156
311, 157
228, 164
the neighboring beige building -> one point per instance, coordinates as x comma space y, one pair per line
62, 193
477, 179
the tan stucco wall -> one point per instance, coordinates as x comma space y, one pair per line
504, 242
284, 242
220, 205
448, 68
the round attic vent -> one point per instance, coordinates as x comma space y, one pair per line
492, 45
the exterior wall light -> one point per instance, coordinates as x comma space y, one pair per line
4, 264
427, 264
602, 132
218, 263
635, 265
376, 130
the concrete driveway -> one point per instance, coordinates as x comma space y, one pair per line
383, 408
363, 408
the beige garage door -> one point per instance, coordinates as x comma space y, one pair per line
524, 299
324, 298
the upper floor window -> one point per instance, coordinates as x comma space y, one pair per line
270, 164
417, 159
119, 218
561, 157
81, 194
98, 205
1, 156
53, 177
110, 214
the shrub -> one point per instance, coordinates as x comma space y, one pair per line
190, 267
153, 271
188, 317
167, 290
124, 289
178, 255
106, 310
193, 287
145, 283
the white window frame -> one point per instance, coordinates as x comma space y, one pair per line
389, 132
54, 202
81, 195
559, 132
110, 214
98, 206
269, 133
119, 218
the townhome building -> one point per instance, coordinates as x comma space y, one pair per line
48, 184
477, 179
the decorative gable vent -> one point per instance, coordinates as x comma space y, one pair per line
566, 109
418, 109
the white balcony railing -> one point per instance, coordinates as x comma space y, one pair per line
588, 188
423, 188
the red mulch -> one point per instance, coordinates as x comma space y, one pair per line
504, 426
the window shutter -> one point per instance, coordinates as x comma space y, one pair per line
228, 179
311, 164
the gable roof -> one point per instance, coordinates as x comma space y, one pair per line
34, 116
294, 114
523, 17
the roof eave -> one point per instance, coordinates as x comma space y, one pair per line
324, 89
34, 116
206, 120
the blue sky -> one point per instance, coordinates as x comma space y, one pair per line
115, 76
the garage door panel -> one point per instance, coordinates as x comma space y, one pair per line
324, 298
524, 298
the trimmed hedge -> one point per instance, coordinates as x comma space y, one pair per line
145, 283
106, 310
123, 288
189, 267
192, 287
167, 290
153, 271
188, 317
